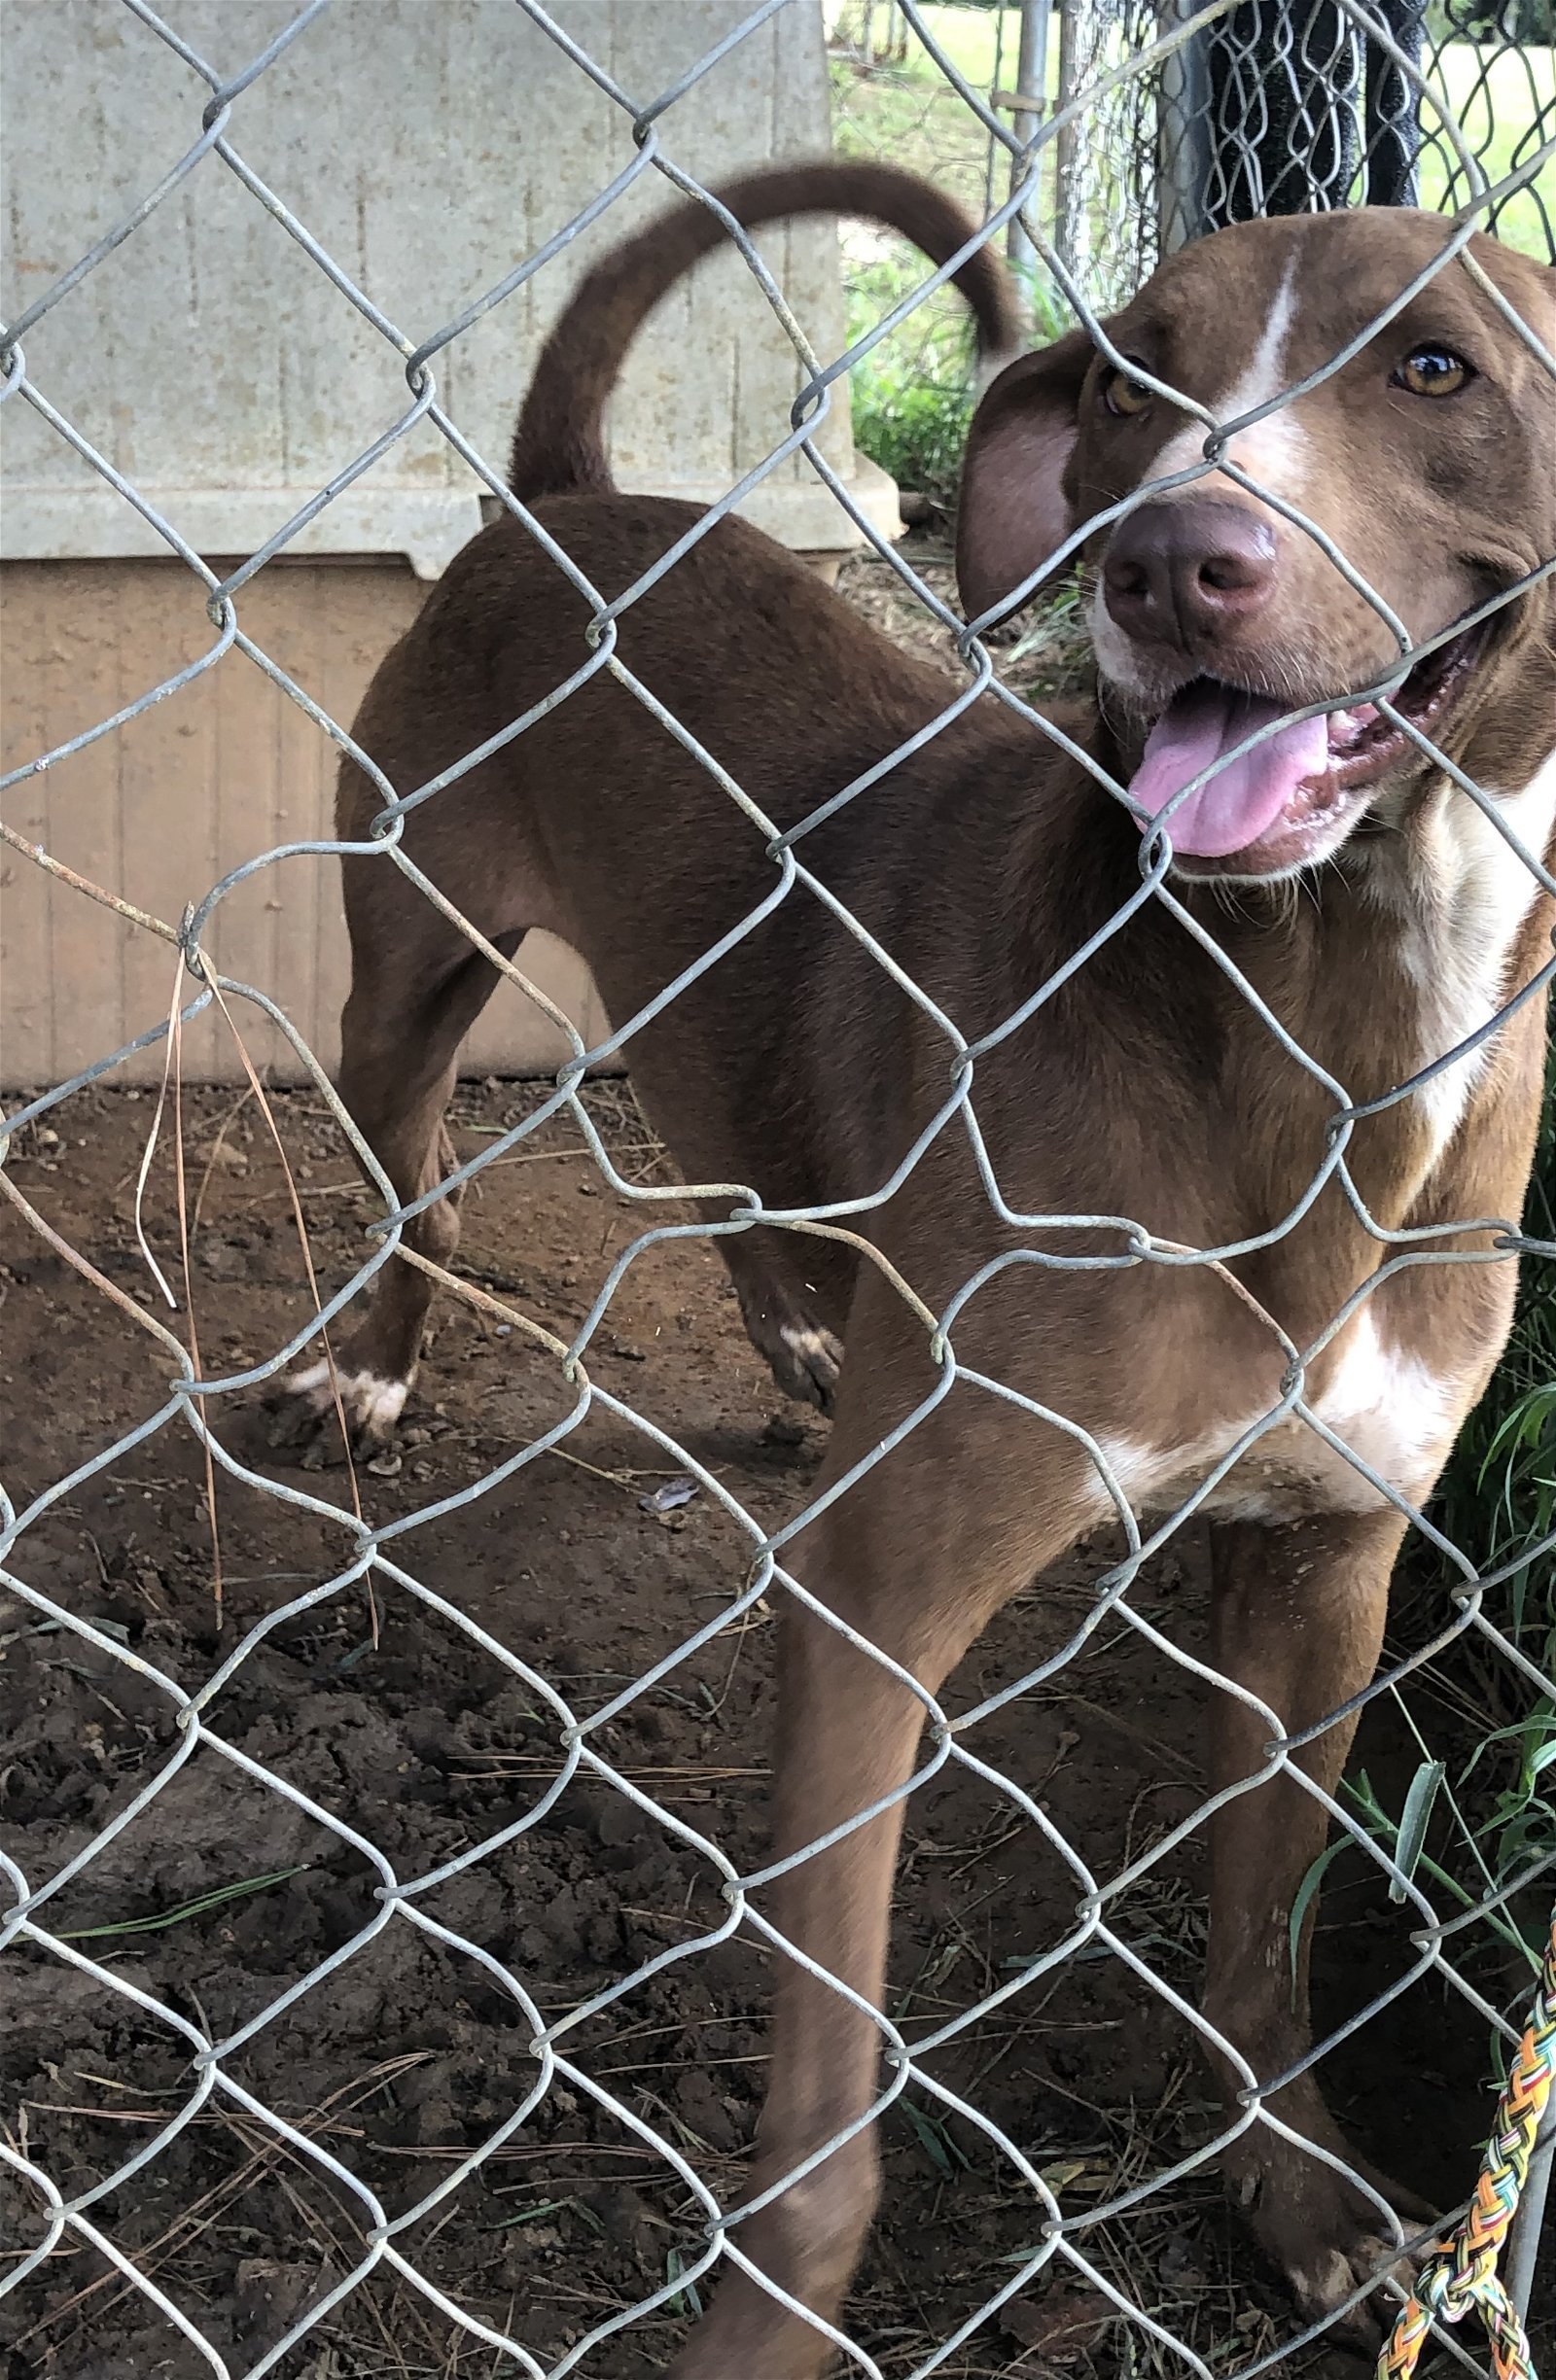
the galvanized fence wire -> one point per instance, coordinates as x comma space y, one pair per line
1473, 1614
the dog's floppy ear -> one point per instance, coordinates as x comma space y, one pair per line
1015, 504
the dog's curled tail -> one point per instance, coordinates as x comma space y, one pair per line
559, 444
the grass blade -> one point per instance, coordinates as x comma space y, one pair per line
200, 1908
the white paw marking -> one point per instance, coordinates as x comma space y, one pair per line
370, 1401
810, 1346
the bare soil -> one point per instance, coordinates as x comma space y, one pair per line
405, 1730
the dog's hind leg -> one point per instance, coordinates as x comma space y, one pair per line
412, 1001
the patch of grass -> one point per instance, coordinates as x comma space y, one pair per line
912, 396
1503, 102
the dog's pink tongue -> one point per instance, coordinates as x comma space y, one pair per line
1242, 800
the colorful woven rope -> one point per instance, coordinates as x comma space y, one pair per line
1461, 2277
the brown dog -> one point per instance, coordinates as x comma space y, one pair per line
1147, 1087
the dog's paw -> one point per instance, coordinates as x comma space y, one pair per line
806, 1363
306, 1410
1330, 2239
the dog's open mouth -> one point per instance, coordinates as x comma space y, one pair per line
1274, 804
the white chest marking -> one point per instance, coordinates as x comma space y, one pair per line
1393, 1412
1463, 894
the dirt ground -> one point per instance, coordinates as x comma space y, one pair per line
400, 1725
421, 1741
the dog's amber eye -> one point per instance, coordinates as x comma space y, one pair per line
1123, 396
1431, 372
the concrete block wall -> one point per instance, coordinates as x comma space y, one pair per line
428, 148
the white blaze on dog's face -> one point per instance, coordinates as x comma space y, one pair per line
1421, 470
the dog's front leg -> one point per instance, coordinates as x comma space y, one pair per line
1298, 1620
915, 1569
848, 1736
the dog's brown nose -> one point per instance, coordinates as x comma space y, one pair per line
1179, 573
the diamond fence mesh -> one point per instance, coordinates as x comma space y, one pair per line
1264, 110
1092, 2237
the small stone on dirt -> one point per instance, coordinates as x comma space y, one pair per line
1060, 2322
223, 1261
268, 2298
670, 1493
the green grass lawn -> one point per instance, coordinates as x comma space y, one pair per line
1498, 99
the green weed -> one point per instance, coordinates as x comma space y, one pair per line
913, 394
687, 2302
186, 1909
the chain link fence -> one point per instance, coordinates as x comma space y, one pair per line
1264, 110
151, 2185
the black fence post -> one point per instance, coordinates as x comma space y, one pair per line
1393, 108
1283, 82
1284, 107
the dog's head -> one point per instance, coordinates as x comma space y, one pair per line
1425, 460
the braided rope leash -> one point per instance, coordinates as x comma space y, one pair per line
1462, 2275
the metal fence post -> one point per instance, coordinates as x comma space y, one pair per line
1069, 190
1031, 84
1182, 138
1282, 101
